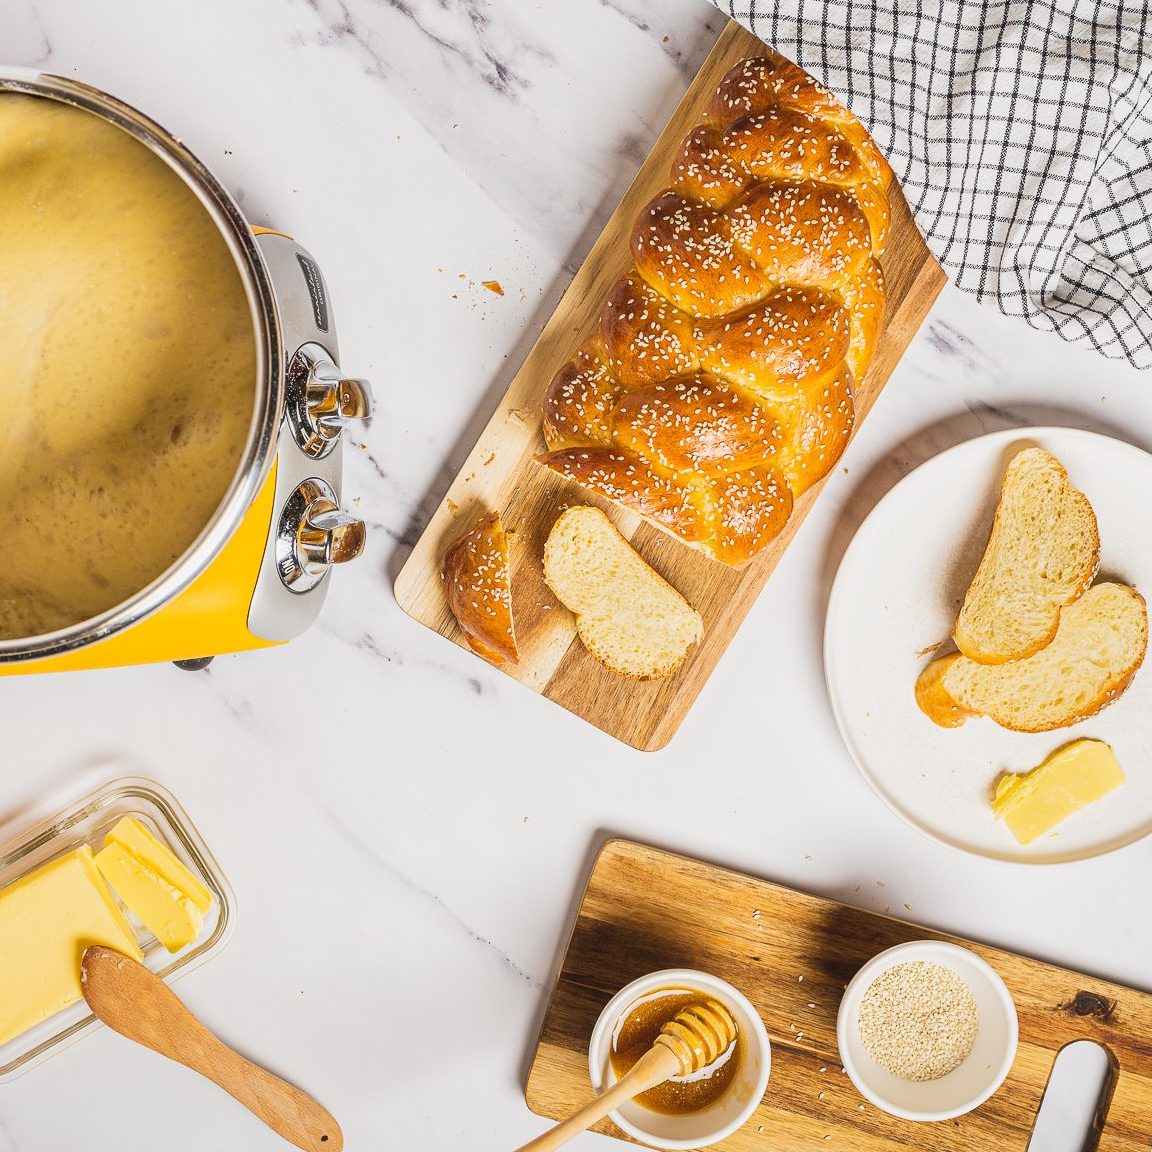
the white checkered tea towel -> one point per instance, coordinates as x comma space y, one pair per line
1021, 131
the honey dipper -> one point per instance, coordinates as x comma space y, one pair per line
690, 1041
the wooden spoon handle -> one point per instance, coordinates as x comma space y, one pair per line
139, 1005
284, 1108
654, 1067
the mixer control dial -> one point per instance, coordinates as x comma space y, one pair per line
314, 533
322, 400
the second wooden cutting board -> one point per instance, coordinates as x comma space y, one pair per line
792, 954
501, 474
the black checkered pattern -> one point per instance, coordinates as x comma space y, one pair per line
1021, 131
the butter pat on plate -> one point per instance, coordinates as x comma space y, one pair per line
47, 919
158, 888
1079, 774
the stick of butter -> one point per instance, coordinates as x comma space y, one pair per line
1079, 774
131, 835
158, 888
47, 919
169, 914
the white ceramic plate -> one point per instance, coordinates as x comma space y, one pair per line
897, 593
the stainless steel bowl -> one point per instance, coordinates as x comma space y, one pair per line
268, 388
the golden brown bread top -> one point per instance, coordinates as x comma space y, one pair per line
578, 407
478, 587
763, 82
681, 506
719, 385
687, 252
792, 337
645, 338
695, 424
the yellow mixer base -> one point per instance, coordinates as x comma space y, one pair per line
209, 618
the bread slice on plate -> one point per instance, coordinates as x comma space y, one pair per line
1041, 556
477, 583
1100, 643
629, 617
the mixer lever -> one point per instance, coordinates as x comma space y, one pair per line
321, 400
314, 533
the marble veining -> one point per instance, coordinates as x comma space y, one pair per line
406, 829
500, 91
25, 30
396, 875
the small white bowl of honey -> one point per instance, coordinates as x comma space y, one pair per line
686, 1111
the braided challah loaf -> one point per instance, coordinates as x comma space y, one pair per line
719, 385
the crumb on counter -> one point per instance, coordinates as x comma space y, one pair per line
493, 286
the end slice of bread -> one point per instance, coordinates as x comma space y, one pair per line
630, 618
1041, 556
1100, 643
477, 582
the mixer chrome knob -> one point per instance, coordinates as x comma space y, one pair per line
321, 400
314, 533
328, 536
334, 399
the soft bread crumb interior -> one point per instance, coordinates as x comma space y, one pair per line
627, 615
1100, 644
1042, 555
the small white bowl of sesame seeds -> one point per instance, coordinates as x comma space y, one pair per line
927, 1030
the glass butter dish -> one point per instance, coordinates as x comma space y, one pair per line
87, 823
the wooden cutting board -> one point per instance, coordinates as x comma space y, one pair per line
645, 910
501, 474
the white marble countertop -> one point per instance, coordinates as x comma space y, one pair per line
406, 829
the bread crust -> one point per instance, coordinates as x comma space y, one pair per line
588, 592
934, 694
696, 424
720, 383
967, 643
476, 577
578, 405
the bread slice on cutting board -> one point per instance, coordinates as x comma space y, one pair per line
1099, 645
477, 581
1042, 555
628, 617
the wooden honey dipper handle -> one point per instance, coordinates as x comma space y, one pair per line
695, 1037
654, 1067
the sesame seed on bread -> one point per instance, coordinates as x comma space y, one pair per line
476, 577
720, 383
